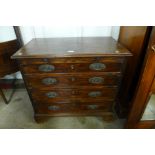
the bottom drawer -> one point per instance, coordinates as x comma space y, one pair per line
72, 108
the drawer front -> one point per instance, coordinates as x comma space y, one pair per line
74, 67
56, 84
74, 95
93, 107
72, 60
47, 81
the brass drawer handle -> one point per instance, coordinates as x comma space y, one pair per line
93, 107
46, 68
96, 80
54, 108
97, 66
51, 94
95, 94
49, 81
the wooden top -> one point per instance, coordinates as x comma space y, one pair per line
71, 47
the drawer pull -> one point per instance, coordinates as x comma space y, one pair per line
46, 68
95, 94
93, 107
97, 66
49, 81
96, 80
54, 108
51, 94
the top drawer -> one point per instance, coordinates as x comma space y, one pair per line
80, 65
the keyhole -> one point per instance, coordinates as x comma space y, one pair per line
72, 79
72, 67
45, 60
73, 92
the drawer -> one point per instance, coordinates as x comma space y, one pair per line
47, 81
73, 67
71, 108
111, 59
74, 95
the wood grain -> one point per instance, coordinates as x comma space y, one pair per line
145, 86
69, 95
66, 68
83, 47
72, 91
71, 80
7, 65
135, 39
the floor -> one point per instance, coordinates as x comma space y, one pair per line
149, 113
18, 114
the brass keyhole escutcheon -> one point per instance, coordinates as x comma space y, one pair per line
72, 79
72, 67
45, 60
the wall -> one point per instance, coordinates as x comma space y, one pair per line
29, 32
82, 31
7, 33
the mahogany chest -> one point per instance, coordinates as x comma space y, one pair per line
72, 76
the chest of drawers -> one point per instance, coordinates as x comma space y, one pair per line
72, 76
